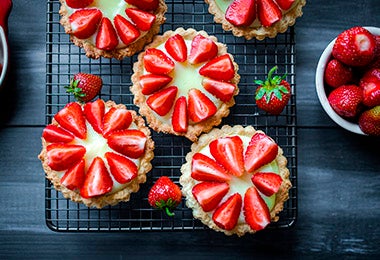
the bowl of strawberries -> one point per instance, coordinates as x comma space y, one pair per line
348, 80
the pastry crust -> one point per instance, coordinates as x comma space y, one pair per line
260, 32
113, 198
188, 182
194, 130
119, 53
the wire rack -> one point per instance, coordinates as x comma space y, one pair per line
255, 58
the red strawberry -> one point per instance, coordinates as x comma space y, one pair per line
268, 12
146, 5
129, 142
94, 113
203, 168
261, 150
180, 117
220, 89
165, 195
142, 19
74, 177
116, 119
156, 62
267, 182
84, 86
209, 194
355, 47
63, 156
127, 32
200, 107
370, 83
228, 151
98, 181
273, 94
346, 100
202, 49
162, 101
107, 38
72, 119
85, 22
177, 48
55, 134
122, 169
241, 12
227, 215
256, 212
337, 73
150, 83
219, 68
78, 3
376, 60
285, 4
369, 121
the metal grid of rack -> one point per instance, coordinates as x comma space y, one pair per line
255, 58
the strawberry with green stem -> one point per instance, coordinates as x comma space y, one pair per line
273, 94
84, 86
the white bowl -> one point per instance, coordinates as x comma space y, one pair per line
320, 86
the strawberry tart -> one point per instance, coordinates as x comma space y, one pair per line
97, 153
112, 29
235, 180
256, 18
185, 82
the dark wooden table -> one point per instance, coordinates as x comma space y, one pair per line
338, 171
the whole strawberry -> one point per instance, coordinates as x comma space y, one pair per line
369, 121
355, 47
346, 100
370, 83
84, 86
337, 74
273, 94
165, 195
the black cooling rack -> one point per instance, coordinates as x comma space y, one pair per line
255, 59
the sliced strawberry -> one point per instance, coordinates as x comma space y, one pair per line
150, 83
157, 62
268, 12
72, 119
129, 142
267, 182
200, 107
122, 168
142, 19
127, 32
162, 101
79, 3
203, 168
146, 5
228, 151
55, 134
209, 194
85, 22
116, 119
241, 12
63, 156
227, 215
219, 68
220, 89
202, 49
261, 150
285, 4
98, 181
74, 177
180, 117
256, 212
177, 48
106, 39
94, 113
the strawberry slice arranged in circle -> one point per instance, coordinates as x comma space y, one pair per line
94, 113
74, 178
203, 168
107, 38
256, 212
116, 119
142, 19
62, 156
176, 47
285, 4
72, 119
150, 83
268, 12
157, 62
220, 89
121, 168
162, 101
180, 118
226, 215
146, 5
78, 3
267, 182
241, 12
127, 32
219, 68
200, 106
228, 151
129, 142
202, 49
209, 194
55, 134
85, 22
260, 151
